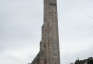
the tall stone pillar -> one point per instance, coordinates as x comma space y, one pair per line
49, 45
50, 38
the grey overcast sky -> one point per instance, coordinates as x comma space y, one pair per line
20, 30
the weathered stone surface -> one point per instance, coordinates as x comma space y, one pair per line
49, 45
36, 59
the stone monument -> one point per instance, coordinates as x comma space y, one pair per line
49, 45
